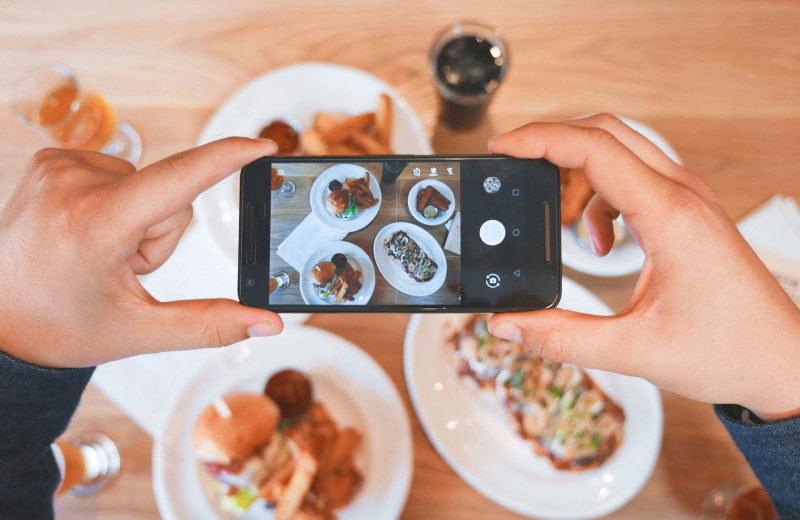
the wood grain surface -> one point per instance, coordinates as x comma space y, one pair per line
720, 80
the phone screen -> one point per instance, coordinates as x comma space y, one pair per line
423, 233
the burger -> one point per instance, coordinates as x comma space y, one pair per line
237, 438
324, 277
341, 204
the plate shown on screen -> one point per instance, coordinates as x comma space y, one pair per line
359, 261
353, 387
473, 435
390, 269
319, 197
295, 93
626, 258
443, 216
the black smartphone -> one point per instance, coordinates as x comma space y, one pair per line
478, 233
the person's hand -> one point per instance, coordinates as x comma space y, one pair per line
75, 233
706, 319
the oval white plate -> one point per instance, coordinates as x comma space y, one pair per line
294, 93
358, 260
626, 258
349, 382
392, 271
471, 432
444, 189
319, 196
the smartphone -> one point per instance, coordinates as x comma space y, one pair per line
478, 233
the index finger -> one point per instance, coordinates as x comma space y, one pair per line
613, 171
160, 190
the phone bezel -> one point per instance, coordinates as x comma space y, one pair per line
265, 162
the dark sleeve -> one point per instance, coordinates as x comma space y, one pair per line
773, 451
36, 404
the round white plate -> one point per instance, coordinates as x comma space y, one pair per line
394, 274
471, 431
319, 196
444, 189
353, 387
295, 93
358, 260
627, 257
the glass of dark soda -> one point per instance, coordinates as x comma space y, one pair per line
468, 63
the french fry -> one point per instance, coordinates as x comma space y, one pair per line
346, 443
342, 131
313, 143
342, 149
292, 497
324, 121
383, 121
369, 144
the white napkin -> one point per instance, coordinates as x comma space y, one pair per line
773, 230
453, 240
306, 237
144, 386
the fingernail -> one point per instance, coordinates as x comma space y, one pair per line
594, 245
270, 141
507, 330
261, 329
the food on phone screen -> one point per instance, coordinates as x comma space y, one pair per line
575, 195
291, 391
359, 189
335, 185
298, 469
340, 282
341, 204
284, 135
558, 408
430, 202
414, 261
369, 133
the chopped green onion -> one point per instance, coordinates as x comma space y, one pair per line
557, 392
595, 441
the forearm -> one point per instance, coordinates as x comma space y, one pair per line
771, 449
36, 405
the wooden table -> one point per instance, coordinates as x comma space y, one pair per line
718, 79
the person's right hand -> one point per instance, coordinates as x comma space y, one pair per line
706, 319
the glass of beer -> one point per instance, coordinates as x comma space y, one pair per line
468, 62
50, 100
87, 463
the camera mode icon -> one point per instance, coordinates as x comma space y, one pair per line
493, 281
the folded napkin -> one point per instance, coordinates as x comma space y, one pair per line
773, 230
306, 237
145, 386
453, 241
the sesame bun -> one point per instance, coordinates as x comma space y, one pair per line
338, 201
254, 417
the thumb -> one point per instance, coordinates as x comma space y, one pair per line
190, 324
567, 337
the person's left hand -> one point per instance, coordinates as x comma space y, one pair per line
75, 233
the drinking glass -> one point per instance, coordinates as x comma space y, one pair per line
468, 62
278, 282
50, 101
87, 463
279, 185
735, 502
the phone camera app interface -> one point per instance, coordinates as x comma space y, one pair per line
366, 233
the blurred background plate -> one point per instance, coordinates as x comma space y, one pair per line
627, 257
295, 93
474, 437
353, 387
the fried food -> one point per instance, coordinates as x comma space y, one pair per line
368, 133
430, 196
575, 195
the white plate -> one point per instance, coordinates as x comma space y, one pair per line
319, 196
358, 260
444, 189
295, 93
472, 433
352, 386
394, 274
626, 258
